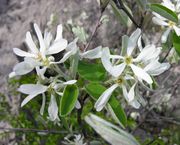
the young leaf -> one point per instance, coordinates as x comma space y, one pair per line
68, 100
91, 72
95, 90
111, 133
164, 11
80, 33
121, 15
176, 43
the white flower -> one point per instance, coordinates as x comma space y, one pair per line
33, 90
128, 61
170, 25
39, 56
118, 82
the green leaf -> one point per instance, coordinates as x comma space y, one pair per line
68, 100
91, 72
121, 15
164, 11
176, 43
95, 90
80, 33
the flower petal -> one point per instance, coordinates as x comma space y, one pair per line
155, 68
29, 41
177, 30
22, 53
131, 93
27, 99
23, 68
141, 74
70, 82
117, 70
133, 41
165, 35
32, 89
57, 47
40, 38
159, 21
92, 54
43, 104
59, 32
103, 99
53, 109
78, 105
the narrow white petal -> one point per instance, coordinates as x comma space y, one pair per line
165, 35
27, 99
32, 89
103, 99
40, 38
131, 93
155, 68
133, 41
158, 21
140, 43
29, 41
177, 30
43, 104
105, 58
70, 82
65, 57
12, 74
150, 51
141, 74
78, 105
59, 32
93, 54
53, 108
23, 68
22, 53
47, 38
117, 70
57, 47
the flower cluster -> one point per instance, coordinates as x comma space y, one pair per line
126, 71
129, 70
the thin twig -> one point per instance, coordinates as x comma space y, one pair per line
26, 130
98, 24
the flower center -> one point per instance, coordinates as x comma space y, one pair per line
128, 60
120, 80
171, 24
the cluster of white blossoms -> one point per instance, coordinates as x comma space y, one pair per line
168, 24
39, 57
127, 69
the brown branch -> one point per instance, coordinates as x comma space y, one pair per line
98, 24
27, 130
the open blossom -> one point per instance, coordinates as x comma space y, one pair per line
33, 90
121, 82
169, 25
128, 60
39, 55
139, 69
